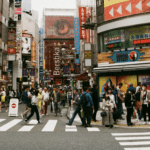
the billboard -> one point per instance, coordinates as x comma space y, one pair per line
82, 20
11, 51
144, 79
59, 27
119, 8
26, 46
66, 70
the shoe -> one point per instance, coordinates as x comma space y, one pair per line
122, 119
89, 125
26, 121
85, 126
39, 121
22, 116
111, 126
60, 115
145, 123
68, 124
7, 110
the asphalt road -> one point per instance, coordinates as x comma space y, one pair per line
59, 139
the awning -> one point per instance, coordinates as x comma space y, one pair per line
83, 76
4, 81
118, 67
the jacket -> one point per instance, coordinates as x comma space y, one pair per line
95, 97
89, 99
25, 97
77, 102
141, 96
56, 98
128, 100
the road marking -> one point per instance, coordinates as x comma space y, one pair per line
71, 128
134, 143
26, 128
50, 126
10, 124
93, 129
132, 138
126, 134
33, 122
1, 120
139, 148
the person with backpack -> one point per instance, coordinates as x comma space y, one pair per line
87, 106
26, 99
34, 107
77, 109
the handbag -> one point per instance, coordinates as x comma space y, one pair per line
103, 114
3, 98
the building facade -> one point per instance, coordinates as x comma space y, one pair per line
123, 43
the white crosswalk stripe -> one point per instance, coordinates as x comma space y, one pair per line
133, 139
49, 126
10, 124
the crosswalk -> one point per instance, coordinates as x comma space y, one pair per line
133, 141
49, 126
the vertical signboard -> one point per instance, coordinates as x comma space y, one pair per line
87, 55
82, 20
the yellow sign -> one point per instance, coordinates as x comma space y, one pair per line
112, 2
87, 54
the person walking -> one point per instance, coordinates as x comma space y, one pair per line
40, 101
63, 97
26, 96
87, 106
77, 109
95, 101
34, 107
145, 100
2, 99
46, 99
51, 100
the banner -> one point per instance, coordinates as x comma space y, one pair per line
82, 20
119, 8
144, 79
66, 70
77, 69
126, 80
76, 35
26, 49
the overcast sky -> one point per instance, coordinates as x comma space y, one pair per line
40, 4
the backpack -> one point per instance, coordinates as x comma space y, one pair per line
83, 100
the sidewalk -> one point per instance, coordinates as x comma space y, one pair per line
120, 123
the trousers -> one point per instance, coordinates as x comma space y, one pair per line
34, 109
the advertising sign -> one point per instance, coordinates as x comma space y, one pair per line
11, 43
114, 37
126, 80
144, 79
11, 51
82, 20
138, 33
104, 83
26, 45
25, 72
12, 24
17, 11
77, 69
32, 73
13, 107
11, 36
76, 35
77, 61
66, 70
119, 8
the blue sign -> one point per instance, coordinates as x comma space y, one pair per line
76, 35
77, 61
126, 56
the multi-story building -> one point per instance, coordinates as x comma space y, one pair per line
123, 43
4, 17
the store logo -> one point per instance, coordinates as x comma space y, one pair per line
13, 105
133, 56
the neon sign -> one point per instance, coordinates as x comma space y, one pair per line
114, 45
142, 41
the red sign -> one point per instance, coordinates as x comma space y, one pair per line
126, 8
18, 11
133, 56
82, 20
11, 51
13, 105
142, 41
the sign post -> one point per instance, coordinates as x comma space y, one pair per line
13, 107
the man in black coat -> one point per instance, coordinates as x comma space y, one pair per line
95, 100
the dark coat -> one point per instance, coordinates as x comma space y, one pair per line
95, 98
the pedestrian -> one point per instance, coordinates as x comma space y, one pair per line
63, 96
107, 120
87, 106
45, 99
145, 100
120, 100
77, 109
138, 86
34, 107
129, 103
3, 97
131, 87
40, 101
26, 98
95, 100
51, 100
69, 96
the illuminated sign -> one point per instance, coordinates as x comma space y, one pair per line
143, 41
116, 45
